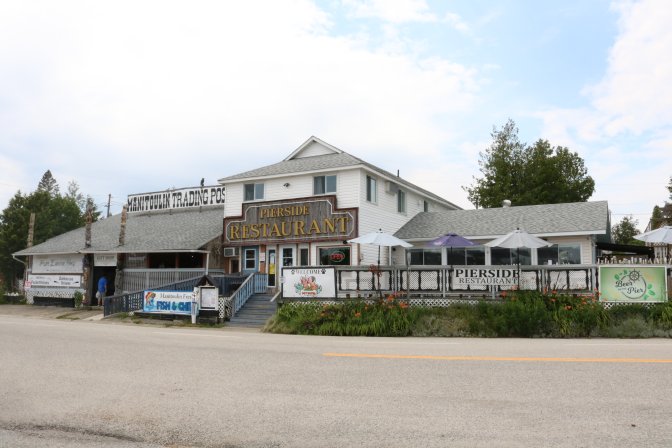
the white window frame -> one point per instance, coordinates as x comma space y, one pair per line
371, 189
325, 183
401, 201
257, 192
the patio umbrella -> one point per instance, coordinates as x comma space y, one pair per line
517, 239
451, 240
380, 238
661, 235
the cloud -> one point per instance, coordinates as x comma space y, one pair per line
625, 132
130, 97
394, 11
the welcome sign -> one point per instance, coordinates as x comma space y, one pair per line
633, 283
309, 283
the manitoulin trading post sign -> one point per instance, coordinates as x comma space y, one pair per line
633, 283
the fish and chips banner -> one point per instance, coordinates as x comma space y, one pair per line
309, 283
168, 302
633, 283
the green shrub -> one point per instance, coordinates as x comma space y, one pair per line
79, 298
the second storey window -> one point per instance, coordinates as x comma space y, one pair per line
371, 190
401, 201
254, 192
324, 184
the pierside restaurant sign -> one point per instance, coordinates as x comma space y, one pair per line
636, 283
176, 199
490, 277
298, 220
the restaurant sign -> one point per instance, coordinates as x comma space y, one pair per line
488, 277
636, 283
176, 199
315, 219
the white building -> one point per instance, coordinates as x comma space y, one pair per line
302, 210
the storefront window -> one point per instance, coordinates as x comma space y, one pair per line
425, 257
335, 256
560, 254
503, 256
466, 255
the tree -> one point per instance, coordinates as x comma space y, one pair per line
54, 215
48, 184
662, 216
528, 175
624, 232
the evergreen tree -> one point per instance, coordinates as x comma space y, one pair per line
528, 175
624, 232
48, 184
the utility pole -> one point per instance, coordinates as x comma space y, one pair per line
109, 198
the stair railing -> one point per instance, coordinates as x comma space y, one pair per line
255, 283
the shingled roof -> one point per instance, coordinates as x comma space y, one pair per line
338, 160
576, 218
179, 231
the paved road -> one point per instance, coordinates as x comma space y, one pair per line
78, 383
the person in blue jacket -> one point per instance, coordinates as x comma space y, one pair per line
102, 290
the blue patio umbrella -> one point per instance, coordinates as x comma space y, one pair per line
451, 240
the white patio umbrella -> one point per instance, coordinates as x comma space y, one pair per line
379, 239
661, 235
517, 239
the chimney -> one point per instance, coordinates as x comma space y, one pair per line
87, 231
122, 228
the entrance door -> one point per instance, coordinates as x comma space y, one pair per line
272, 266
250, 259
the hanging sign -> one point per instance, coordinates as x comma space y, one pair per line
633, 283
309, 283
105, 259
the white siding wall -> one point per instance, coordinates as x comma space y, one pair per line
350, 192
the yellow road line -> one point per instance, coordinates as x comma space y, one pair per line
497, 358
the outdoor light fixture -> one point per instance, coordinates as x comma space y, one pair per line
286, 185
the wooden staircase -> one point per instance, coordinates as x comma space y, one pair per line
256, 311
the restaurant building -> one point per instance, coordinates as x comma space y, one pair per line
574, 229
303, 210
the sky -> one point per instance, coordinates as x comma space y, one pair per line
137, 96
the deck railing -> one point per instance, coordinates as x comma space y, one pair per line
254, 284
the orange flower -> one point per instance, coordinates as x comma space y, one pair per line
554, 292
568, 307
503, 294
358, 314
553, 300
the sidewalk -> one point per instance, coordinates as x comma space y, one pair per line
51, 312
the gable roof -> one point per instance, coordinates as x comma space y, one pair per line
179, 231
337, 160
575, 218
